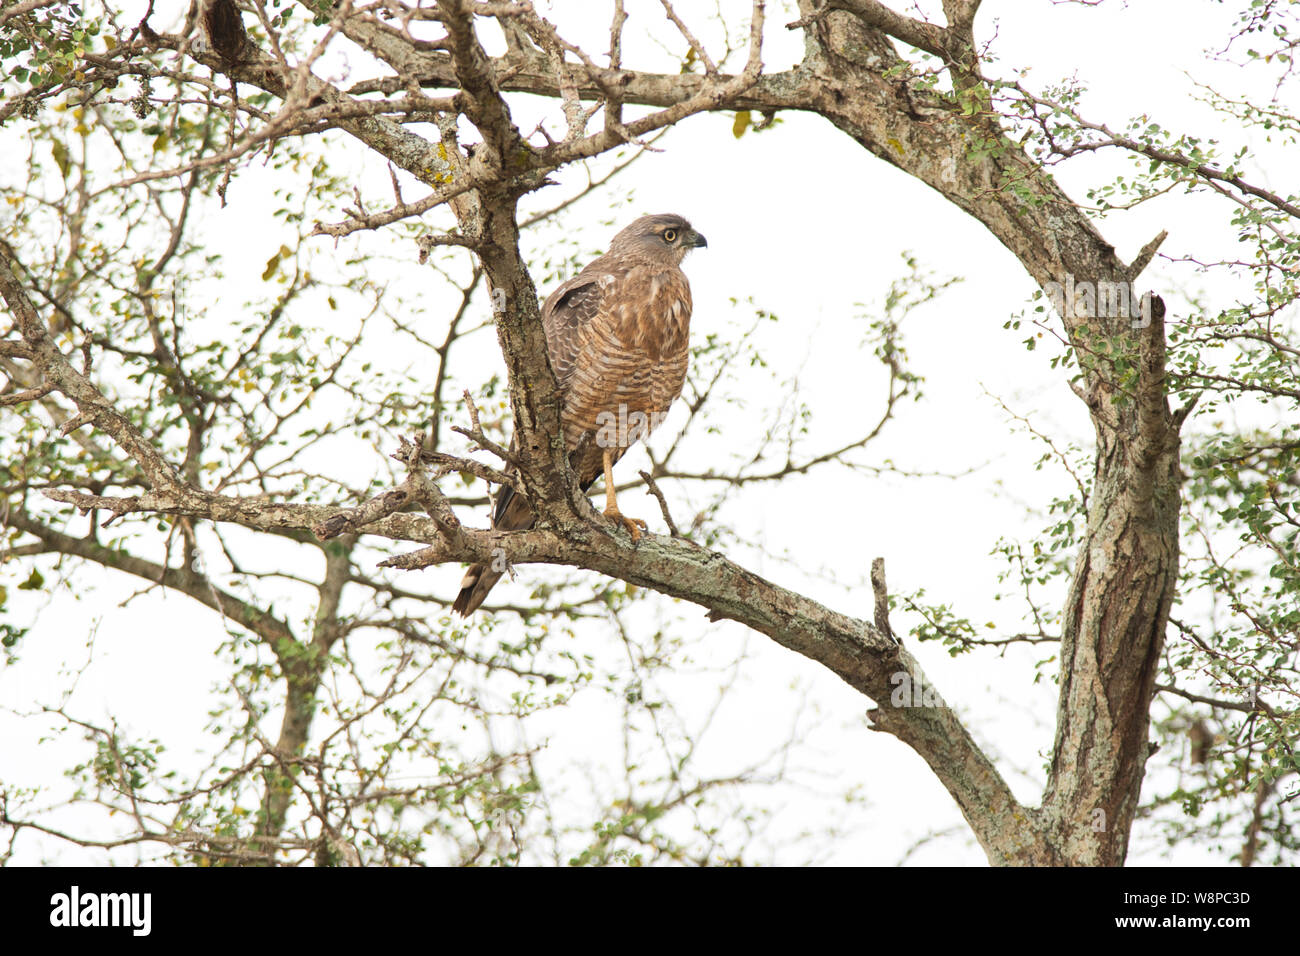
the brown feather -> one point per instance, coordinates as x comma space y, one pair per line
618, 336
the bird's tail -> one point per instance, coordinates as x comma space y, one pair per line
513, 514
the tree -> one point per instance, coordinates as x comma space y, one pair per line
181, 442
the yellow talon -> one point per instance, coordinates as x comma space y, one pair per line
634, 526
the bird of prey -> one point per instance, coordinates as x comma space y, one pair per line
618, 338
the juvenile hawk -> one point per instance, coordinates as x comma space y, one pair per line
618, 336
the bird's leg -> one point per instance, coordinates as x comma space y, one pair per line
634, 525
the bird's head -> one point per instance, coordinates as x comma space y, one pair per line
663, 238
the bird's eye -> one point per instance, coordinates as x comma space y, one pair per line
670, 235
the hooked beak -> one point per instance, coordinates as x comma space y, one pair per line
698, 240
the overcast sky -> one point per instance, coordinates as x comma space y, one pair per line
812, 228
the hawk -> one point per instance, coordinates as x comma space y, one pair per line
618, 337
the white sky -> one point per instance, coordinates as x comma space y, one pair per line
808, 224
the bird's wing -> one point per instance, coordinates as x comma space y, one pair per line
567, 310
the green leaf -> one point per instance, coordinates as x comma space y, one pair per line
273, 263
60, 153
33, 582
